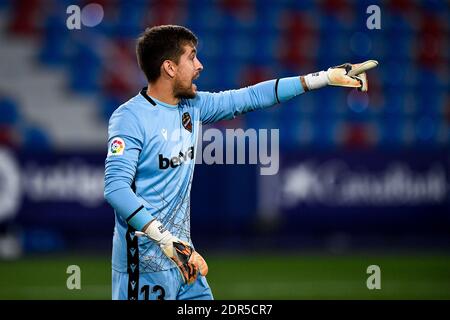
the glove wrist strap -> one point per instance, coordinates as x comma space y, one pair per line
316, 80
157, 232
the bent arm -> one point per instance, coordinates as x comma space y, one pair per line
119, 176
124, 147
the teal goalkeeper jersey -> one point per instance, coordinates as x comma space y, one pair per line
150, 164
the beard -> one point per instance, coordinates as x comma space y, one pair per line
180, 91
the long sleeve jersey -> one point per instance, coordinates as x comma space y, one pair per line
151, 158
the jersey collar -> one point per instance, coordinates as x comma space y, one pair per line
146, 96
155, 101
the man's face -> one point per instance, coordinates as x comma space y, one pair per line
188, 69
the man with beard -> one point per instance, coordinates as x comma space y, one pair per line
151, 158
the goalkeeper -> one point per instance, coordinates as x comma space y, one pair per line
151, 157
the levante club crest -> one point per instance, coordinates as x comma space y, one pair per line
186, 121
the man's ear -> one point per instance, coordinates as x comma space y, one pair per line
169, 68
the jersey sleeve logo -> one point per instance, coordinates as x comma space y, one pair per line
117, 147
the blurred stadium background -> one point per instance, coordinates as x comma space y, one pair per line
363, 180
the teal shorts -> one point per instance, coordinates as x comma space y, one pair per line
163, 285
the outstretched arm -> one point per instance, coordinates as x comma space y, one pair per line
228, 104
231, 103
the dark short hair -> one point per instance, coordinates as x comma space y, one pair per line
160, 43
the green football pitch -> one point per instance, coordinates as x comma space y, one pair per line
306, 276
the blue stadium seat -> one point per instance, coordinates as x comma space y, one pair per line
108, 105
54, 45
131, 13
391, 131
35, 139
85, 68
9, 112
325, 131
426, 129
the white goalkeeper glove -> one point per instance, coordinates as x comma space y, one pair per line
188, 261
345, 75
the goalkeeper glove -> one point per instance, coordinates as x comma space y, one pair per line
188, 261
345, 75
